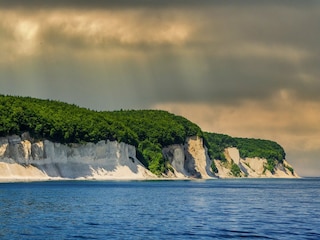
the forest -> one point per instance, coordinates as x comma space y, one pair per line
148, 130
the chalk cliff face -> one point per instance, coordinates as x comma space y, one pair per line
22, 159
190, 159
251, 167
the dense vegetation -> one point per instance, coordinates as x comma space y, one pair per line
148, 130
217, 143
248, 147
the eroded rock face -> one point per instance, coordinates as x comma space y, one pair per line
197, 154
23, 158
14, 150
102, 160
190, 159
251, 167
177, 158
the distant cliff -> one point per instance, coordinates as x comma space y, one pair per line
247, 157
42, 139
235, 166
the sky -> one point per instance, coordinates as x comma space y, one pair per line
243, 68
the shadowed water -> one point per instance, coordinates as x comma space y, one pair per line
216, 209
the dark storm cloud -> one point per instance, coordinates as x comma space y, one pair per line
98, 4
122, 4
222, 53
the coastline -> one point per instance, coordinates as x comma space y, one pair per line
28, 161
117, 179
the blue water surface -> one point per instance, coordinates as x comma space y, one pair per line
215, 209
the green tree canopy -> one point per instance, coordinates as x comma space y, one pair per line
148, 130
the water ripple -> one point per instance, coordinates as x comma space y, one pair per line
253, 209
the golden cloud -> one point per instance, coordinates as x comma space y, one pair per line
264, 51
32, 32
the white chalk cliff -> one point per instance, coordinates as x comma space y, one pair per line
251, 167
23, 159
189, 160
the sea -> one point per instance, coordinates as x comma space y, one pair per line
211, 209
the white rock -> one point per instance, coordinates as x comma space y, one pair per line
46, 160
190, 159
251, 167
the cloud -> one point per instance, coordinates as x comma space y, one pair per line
79, 31
217, 53
108, 4
124, 4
